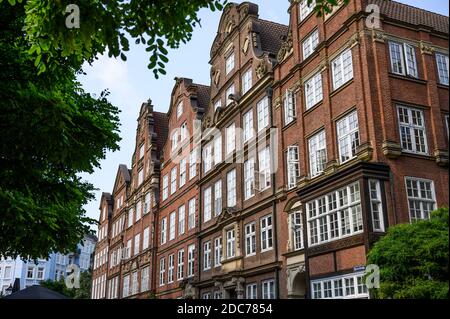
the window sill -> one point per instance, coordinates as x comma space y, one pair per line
291, 123
266, 250
443, 86
407, 78
312, 108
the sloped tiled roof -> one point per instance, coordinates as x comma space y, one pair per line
161, 128
125, 172
203, 94
412, 15
271, 35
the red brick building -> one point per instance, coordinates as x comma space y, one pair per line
315, 138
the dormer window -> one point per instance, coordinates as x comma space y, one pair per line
179, 110
229, 63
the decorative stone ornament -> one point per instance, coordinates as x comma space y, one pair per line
261, 69
246, 45
426, 48
286, 48
378, 36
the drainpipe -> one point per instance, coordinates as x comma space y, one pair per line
269, 93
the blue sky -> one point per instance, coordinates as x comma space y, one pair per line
131, 83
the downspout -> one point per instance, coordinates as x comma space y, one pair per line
269, 93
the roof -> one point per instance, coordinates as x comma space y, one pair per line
271, 35
203, 95
412, 15
161, 128
126, 173
36, 292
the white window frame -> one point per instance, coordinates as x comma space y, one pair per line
231, 242
218, 150
163, 230
248, 125
408, 130
141, 150
251, 291
264, 166
268, 289
218, 252
162, 271
403, 59
262, 113
347, 130
230, 134
181, 220
338, 67
290, 112
146, 238
310, 44
443, 67
266, 230
217, 197
231, 188
418, 185
229, 63
191, 260
305, 9
173, 180
231, 90
192, 164
313, 90
293, 166
172, 225
207, 197
182, 172
349, 286
180, 266
296, 224
317, 146
191, 214
170, 269
376, 205
179, 109
250, 239
249, 178
137, 244
207, 255
247, 81
207, 156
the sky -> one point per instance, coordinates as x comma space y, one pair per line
131, 83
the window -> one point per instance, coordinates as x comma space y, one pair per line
145, 279
376, 206
182, 172
40, 273
179, 110
163, 231
172, 226
250, 239
317, 153
141, 151
268, 289
218, 150
313, 90
289, 107
230, 243
165, 193
181, 219
130, 217
147, 203
249, 178
447, 124
262, 111
173, 180
126, 286
191, 250
174, 140
335, 215
229, 64
217, 251
140, 176
246, 81
183, 132
218, 198
207, 156
207, 256
134, 283
127, 251
30, 272
138, 210
342, 69
297, 230
421, 198
206, 295
348, 136
340, 287
217, 295
162, 271
251, 291
192, 164
146, 239
231, 188
248, 125
310, 44
217, 105
231, 138
137, 241
191, 214
412, 130
207, 205
230, 91
170, 274
266, 233
264, 169
306, 9
403, 59
293, 166
442, 66
180, 267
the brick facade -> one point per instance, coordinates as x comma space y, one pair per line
334, 120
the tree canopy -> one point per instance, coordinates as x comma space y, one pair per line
51, 130
413, 259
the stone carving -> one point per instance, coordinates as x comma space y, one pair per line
426, 48
354, 40
261, 69
246, 45
291, 273
206, 123
378, 36
215, 76
286, 48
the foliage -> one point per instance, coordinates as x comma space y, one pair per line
84, 292
413, 259
51, 131
106, 26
